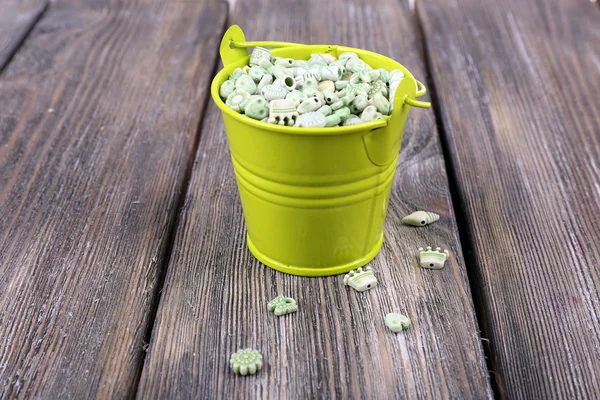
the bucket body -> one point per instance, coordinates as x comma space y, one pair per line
315, 200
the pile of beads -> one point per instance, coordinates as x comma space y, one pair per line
322, 91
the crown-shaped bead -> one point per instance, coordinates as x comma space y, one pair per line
432, 258
360, 279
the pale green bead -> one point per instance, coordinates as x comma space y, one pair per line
330, 97
374, 74
278, 71
265, 80
397, 322
328, 57
226, 89
298, 71
314, 75
420, 218
344, 113
332, 120
257, 107
339, 63
325, 110
396, 75
296, 96
256, 73
236, 74
429, 258
310, 92
246, 84
246, 362
281, 305
332, 73
378, 87
266, 65
340, 85
282, 112
311, 120
359, 103
300, 64
317, 59
355, 89
347, 55
369, 113
237, 99
273, 92
308, 83
310, 104
355, 65
353, 120
343, 102
286, 62
381, 103
259, 54
287, 82
384, 75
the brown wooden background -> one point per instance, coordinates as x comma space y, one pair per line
123, 266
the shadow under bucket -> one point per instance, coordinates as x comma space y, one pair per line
314, 199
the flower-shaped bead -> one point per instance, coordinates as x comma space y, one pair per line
246, 361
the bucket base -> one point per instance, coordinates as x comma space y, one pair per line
320, 271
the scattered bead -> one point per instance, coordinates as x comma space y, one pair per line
433, 259
420, 218
246, 361
281, 305
360, 279
397, 322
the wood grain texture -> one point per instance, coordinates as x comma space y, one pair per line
99, 119
17, 18
337, 345
518, 88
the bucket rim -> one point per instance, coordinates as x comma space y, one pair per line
338, 130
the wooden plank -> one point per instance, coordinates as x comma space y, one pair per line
98, 127
17, 18
517, 86
337, 345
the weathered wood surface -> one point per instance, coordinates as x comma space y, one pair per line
98, 125
17, 18
518, 88
336, 346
